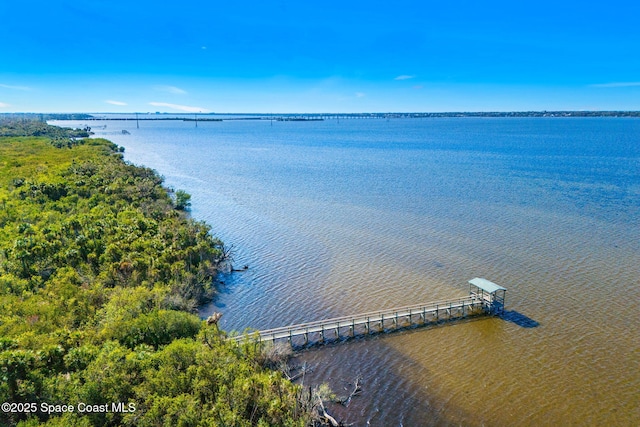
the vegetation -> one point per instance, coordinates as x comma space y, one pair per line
183, 200
43, 117
25, 127
59, 137
100, 272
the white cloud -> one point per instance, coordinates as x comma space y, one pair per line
109, 101
3, 105
187, 108
25, 88
360, 94
404, 77
617, 84
171, 89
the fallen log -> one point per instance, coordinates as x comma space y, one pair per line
326, 416
355, 392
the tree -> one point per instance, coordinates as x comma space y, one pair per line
183, 200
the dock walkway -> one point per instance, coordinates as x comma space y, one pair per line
484, 297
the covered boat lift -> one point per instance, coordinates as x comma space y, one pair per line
491, 295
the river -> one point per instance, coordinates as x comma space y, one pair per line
338, 217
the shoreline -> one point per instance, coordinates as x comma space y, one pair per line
317, 116
99, 273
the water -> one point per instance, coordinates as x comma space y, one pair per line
356, 215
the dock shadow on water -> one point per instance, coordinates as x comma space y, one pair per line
519, 319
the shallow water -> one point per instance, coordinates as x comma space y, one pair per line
356, 215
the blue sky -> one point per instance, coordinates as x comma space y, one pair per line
348, 56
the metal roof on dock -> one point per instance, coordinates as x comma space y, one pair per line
486, 285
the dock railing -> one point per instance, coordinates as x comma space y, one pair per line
399, 317
484, 297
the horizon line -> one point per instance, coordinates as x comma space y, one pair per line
329, 113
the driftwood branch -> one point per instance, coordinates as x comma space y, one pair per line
303, 370
356, 391
214, 318
326, 416
294, 377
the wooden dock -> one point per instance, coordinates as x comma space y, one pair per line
484, 298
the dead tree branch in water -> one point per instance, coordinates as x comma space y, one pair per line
330, 420
356, 391
226, 259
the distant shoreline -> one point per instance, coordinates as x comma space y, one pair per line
208, 117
